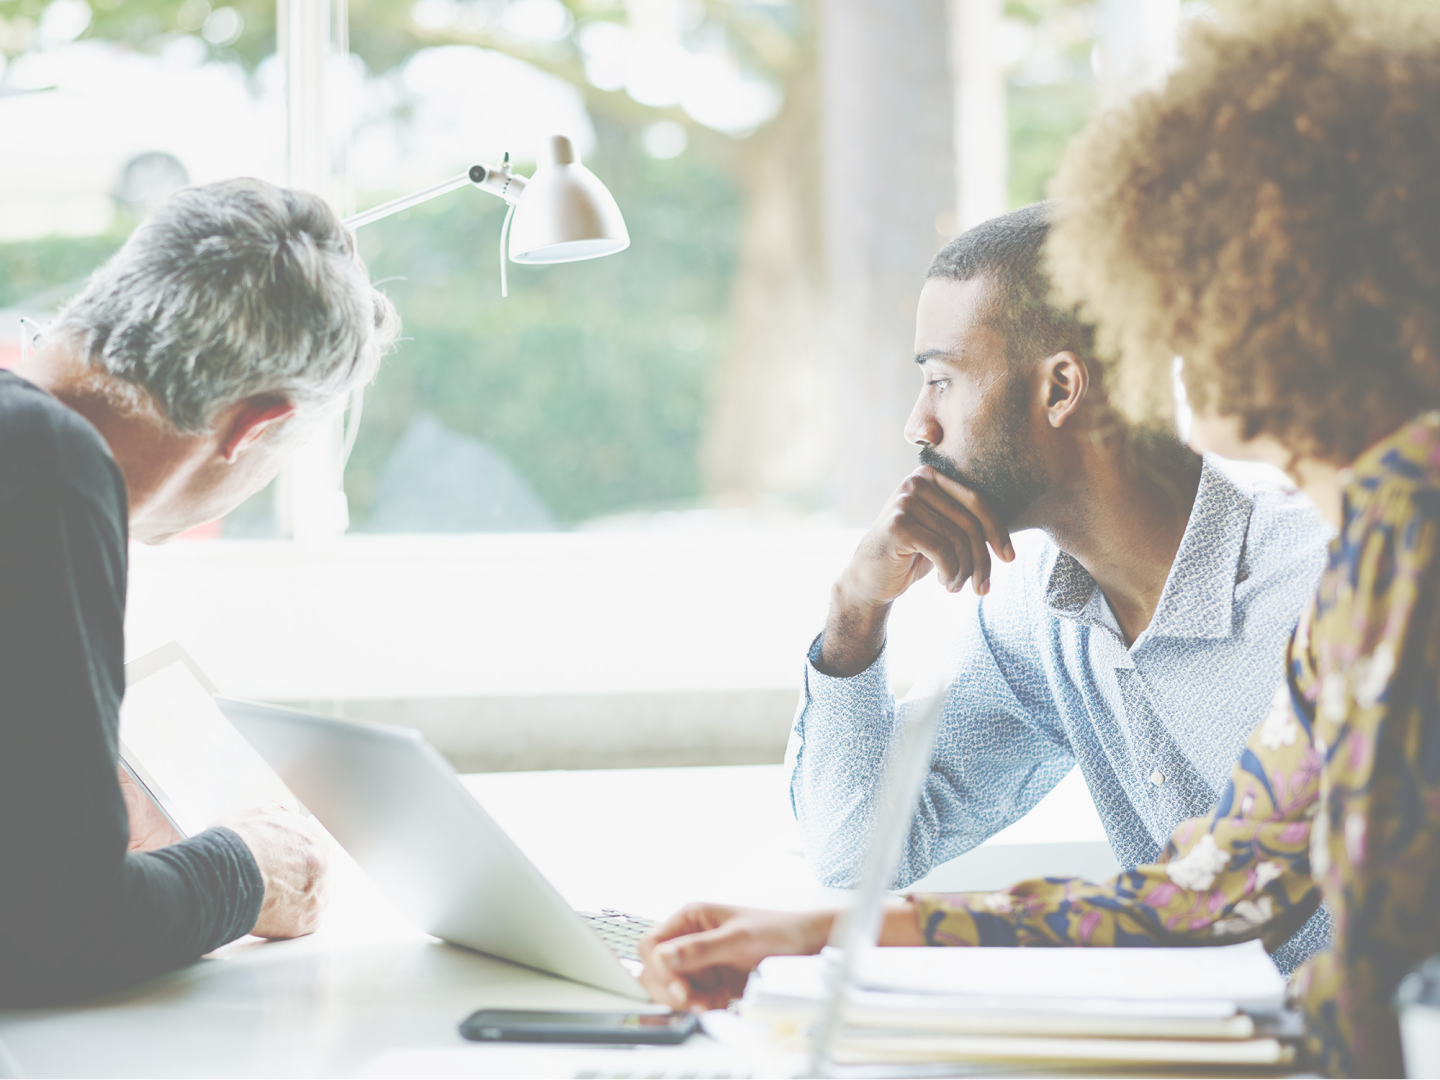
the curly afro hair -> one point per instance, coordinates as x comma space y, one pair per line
1273, 216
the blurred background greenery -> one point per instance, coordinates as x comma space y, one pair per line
587, 392
591, 378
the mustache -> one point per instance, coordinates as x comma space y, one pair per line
943, 465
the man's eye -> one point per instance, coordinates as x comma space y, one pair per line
941, 383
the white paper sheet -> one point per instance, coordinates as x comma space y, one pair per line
1240, 973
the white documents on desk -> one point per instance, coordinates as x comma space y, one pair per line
1155, 1006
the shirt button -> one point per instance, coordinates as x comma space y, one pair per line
1157, 778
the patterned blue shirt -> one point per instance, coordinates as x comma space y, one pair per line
1042, 681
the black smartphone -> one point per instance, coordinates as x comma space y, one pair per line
536, 1025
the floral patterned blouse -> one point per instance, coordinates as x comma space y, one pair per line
1337, 793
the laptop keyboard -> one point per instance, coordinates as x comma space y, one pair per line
618, 930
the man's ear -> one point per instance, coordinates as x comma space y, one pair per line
250, 421
1067, 380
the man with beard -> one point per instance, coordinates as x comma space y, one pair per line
1140, 637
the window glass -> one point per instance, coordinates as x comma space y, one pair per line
580, 395
1050, 52
108, 108
584, 394
674, 380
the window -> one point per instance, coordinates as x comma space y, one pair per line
106, 110
582, 511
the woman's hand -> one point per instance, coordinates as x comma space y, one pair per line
700, 957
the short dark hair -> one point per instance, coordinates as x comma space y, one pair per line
1009, 252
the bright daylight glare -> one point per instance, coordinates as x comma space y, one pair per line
653, 443
582, 537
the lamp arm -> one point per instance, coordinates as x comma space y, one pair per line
500, 182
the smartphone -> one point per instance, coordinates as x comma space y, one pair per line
630, 1029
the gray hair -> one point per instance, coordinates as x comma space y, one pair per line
233, 290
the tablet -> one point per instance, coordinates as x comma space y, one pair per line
177, 745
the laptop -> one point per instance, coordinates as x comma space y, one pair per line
739, 1057
388, 797
395, 804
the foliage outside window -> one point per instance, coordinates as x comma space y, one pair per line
590, 391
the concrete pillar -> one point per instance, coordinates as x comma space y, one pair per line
982, 136
313, 41
888, 158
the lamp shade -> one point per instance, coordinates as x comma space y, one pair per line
565, 213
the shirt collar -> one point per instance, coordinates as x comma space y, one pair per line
1198, 600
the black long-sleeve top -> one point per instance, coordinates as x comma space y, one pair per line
79, 914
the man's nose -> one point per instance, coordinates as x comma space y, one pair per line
922, 428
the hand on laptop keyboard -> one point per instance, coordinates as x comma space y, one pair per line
618, 930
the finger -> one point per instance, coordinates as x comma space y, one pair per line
321, 851
322, 895
704, 1001
908, 535
946, 517
697, 992
681, 922
725, 946
688, 920
664, 986
957, 517
996, 531
715, 988
922, 530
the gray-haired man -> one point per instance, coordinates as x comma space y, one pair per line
168, 391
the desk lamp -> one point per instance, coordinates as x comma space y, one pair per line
561, 214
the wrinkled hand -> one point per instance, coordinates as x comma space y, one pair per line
930, 521
293, 855
700, 957
149, 828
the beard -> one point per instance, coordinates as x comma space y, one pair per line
1005, 470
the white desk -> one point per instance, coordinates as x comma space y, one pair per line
650, 840
641, 840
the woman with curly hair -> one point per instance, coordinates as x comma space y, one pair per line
1272, 215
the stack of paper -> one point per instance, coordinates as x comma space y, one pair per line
1222, 1006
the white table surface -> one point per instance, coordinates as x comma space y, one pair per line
645, 841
